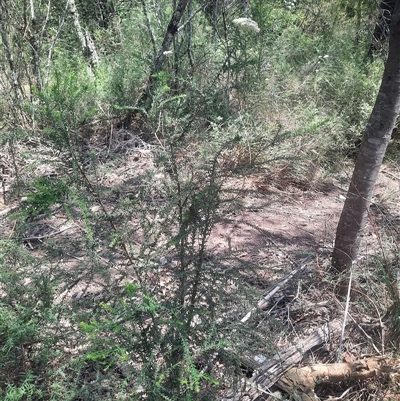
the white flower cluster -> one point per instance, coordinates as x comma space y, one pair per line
290, 4
246, 24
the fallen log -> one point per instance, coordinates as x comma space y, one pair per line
300, 382
271, 371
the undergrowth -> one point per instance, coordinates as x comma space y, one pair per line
109, 287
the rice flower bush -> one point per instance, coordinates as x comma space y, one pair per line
246, 25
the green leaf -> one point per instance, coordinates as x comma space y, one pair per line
131, 289
89, 328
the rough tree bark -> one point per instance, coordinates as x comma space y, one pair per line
373, 147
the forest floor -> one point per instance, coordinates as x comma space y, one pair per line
288, 221
301, 219
280, 223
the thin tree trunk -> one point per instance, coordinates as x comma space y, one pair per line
373, 148
33, 40
158, 64
88, 47
53, 41
16, 94
148, 25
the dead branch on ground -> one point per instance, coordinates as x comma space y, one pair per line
272, 370
300, 382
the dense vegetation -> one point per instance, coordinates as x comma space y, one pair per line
119, 155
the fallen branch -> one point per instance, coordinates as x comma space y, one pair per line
300, 382
272, 370
40, 237
264, 302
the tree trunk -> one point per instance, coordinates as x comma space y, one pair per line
88, 47
157, 67
11, 70
369, 160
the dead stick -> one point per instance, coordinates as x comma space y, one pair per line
270, 372
262, 304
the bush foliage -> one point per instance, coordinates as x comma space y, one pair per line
134, 304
